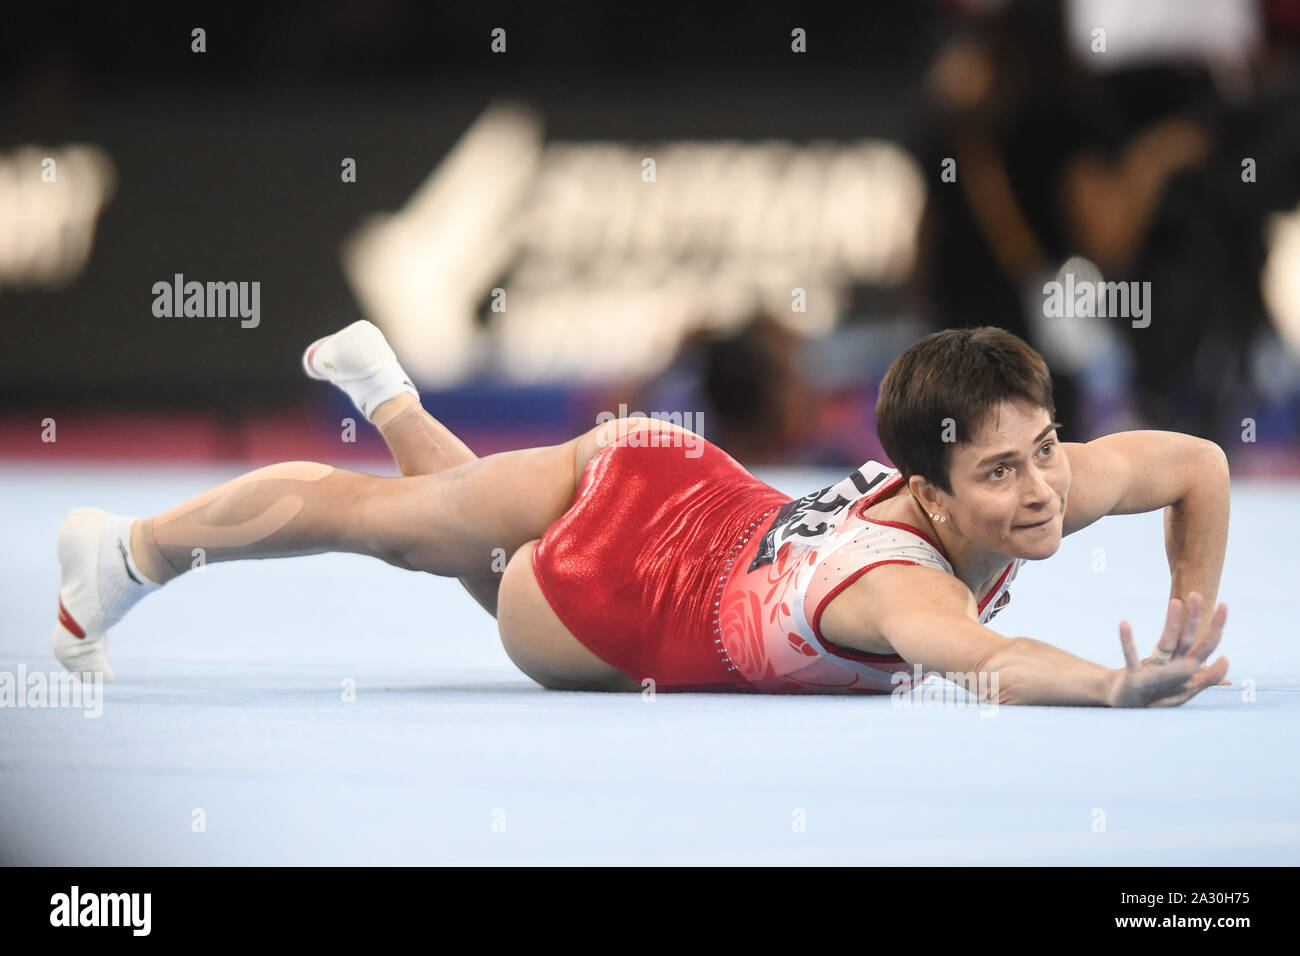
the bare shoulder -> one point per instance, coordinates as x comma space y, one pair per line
1133, 472
862, 615
1098, 474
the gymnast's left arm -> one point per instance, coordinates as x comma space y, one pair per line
1137, 471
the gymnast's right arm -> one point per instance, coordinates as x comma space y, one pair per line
931, 620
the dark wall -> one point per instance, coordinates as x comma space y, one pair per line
228, 161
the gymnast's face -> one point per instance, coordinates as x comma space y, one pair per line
1010, 483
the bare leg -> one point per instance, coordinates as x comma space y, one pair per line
452, 523
422, 445
292, 508
456, 523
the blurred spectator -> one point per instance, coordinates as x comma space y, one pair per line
1053, 162
757, 402
752, 380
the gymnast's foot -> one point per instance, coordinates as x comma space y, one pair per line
100, 582
359, 360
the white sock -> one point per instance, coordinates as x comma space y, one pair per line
121, 582
371, 392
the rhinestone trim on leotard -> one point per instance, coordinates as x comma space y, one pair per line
722, 579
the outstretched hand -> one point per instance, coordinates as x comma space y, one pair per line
1177, 670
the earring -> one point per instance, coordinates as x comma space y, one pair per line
937, 517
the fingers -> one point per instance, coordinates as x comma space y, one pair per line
1208, 677
1168, 642
1182, 623
1203, 648
1191, 621
1211, 676
1180, 670
1126, 642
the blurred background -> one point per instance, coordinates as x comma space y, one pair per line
553, 213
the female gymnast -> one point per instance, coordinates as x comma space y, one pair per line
640, 554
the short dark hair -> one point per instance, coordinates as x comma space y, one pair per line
958, 374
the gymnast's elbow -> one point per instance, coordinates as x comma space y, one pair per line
1217, 458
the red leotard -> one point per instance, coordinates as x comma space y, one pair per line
653, 569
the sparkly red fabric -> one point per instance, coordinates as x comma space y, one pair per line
633, 567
